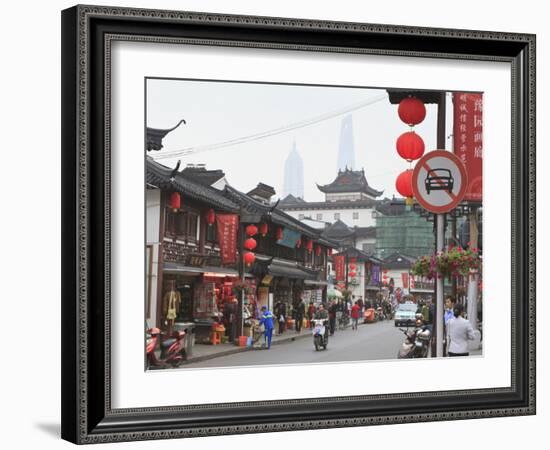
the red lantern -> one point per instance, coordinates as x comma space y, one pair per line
318, 250
299, 242
250, 244
175, 201
403, 184
411, 110
410, 146
352, 266
329, 251
210, 217
251, 230
249, 258
279, 233
352, 274
309, 246
263, 229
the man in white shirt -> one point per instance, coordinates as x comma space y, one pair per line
459, 332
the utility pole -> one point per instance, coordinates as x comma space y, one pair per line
473, 277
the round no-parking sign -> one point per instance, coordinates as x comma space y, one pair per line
439, 181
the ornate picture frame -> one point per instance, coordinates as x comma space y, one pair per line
87, 35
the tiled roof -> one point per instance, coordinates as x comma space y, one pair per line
350, 181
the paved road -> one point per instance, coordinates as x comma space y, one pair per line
375, 341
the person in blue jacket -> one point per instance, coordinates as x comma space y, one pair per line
267, 322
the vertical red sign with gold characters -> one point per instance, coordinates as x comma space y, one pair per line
228, 225
468, 140
339, 267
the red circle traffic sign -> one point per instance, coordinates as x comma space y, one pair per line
439, 181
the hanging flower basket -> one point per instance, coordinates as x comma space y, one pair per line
451, 263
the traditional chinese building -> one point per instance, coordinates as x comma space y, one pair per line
196, 226
349, 198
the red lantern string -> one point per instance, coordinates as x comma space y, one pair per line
249, 258
410, 146
411, 110
175, 201
210, 217
250, 244
251, 230
403, 184
263, 229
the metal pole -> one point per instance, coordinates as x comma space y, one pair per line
473, 278
440, 237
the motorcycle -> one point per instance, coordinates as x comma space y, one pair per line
172, 349
379, 314
320, 333
417, 342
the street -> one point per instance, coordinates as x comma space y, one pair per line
380, 340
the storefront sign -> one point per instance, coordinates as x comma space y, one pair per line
289, 239
228, 225
340, 267
468, 139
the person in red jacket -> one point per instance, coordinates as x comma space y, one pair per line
355, 310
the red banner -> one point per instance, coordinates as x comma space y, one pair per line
340, 267
468, 139
228, 225
405, 279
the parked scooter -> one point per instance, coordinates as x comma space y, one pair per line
171, 351
417, 342
320, 333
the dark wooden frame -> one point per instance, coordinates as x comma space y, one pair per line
87, 416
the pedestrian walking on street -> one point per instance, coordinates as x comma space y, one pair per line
299, 314
355, 311
280, 313
332, 317
267, 322
339, 313
459, 332
311, 314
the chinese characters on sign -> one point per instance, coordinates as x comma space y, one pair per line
468, 139
228, 225
339, 267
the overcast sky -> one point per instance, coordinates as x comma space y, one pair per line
219, 111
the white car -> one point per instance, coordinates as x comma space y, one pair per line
405, 314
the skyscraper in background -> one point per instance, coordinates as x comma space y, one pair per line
346, 150
294, 174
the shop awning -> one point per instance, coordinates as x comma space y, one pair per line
170, 267
280, 269
334, 293
315, 283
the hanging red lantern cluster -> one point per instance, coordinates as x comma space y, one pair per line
409, 145
250, 244
279, 233
249, 258
263, 229
251, 230
210, 217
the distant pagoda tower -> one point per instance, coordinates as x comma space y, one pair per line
346, 149
294, 174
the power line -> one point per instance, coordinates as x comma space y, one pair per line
268, 133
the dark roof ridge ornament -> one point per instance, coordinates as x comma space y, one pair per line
156, 135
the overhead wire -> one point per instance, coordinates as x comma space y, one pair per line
267, 133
